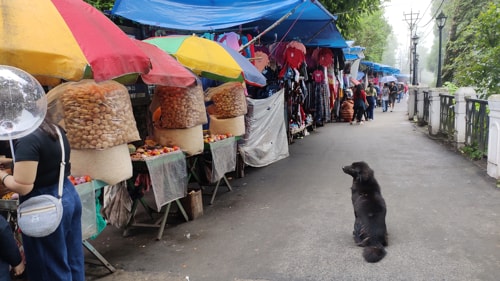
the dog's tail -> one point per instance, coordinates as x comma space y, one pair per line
374, 253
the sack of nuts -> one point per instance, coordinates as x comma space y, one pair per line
96, 115
181, 108
229, 100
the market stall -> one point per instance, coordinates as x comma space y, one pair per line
219, 158
165, 172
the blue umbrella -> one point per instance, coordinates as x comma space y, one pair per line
387, 79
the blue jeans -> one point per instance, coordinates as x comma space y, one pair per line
371, 106
384, 105
59, 256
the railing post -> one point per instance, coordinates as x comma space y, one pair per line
435, 110
412, 99
493, 167
420, 104
460, 114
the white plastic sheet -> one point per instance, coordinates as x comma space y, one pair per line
169, 177
223, 154
265, 140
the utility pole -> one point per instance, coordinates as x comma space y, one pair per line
411, 19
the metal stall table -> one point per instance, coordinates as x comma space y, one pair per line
219, 158
169, 177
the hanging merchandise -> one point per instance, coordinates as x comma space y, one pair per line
295, 55
277, 52
325, 57
297, 45
230, 39
261, 60
250, 54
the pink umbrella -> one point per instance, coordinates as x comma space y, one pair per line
166, 70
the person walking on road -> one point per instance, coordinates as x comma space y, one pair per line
385, 97
371, 95
393, 94
360, 103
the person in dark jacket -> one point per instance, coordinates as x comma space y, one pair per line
360, 103
9, 252
393, 94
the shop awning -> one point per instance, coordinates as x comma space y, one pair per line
377, 67
353, 52
307, 20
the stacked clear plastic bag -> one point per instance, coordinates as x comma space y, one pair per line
181, 108
229, 100
95, 115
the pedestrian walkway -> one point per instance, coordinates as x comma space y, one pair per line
293, 220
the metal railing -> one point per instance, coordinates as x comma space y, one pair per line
416, 102
447, 116
477, 124
427, 103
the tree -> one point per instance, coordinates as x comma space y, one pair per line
477, 64
351, 12
462, 13
103, 5
375, 34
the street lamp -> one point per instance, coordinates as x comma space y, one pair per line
440, 21
414, 39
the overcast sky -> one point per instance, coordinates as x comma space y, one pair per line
399, 13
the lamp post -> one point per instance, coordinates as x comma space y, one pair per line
440, 21
414, 39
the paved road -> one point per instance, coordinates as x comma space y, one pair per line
292, 220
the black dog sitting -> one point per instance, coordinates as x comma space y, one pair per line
370, 230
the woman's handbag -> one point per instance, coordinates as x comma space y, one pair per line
40, 215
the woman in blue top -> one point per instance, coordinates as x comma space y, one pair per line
58, 256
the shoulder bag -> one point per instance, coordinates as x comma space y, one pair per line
39, 216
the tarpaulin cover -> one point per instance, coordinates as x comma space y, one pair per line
309, 20
223, 154
265, 140
169, 177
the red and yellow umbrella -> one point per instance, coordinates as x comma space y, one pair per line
69, 40
209, 59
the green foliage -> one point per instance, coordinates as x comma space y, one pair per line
452, 88
472, 152
101, 5
478, 64
350, 13
372, 33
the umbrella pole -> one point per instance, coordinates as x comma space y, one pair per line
270, 27
12, 149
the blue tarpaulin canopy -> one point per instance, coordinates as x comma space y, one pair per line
377, 67
353, 53
307, 21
